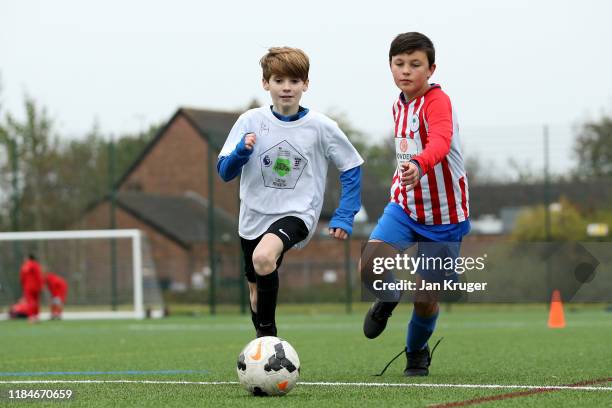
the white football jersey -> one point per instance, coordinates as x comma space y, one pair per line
285, 174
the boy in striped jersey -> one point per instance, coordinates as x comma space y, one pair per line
429, 192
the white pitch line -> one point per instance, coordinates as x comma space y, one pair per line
325, 384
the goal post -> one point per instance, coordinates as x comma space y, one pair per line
81, 257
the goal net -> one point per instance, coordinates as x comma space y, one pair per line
110, 273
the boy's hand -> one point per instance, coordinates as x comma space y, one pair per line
249, 141
410, 175
338, 233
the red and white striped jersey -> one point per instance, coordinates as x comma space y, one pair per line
441, 196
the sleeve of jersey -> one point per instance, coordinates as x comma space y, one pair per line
234, 154
339, 149
439, 116
230, 166
350, 200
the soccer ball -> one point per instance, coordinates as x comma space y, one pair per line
268, 366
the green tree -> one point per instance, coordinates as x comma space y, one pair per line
81, 176
59, 178
380, 160
90, 156
566, 224
36, 142
593, 147
4, 173
356, 136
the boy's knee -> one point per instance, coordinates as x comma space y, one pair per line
264, 262
426, 309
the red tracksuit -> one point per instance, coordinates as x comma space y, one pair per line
32, 283
57, 286
59, 289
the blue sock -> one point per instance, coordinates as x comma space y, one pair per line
420, 330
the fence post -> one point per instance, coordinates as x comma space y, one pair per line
348, 275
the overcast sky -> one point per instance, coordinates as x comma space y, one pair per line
509, 66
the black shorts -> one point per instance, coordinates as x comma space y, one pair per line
290, 230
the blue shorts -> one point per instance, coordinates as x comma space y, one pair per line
397, 229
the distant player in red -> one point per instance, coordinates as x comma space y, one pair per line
31, 278
59, 289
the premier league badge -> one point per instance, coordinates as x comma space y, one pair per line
282, 166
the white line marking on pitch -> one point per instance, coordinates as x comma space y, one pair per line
328, 384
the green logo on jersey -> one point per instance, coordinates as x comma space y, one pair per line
282, 166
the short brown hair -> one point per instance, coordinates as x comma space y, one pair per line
291, 62
411, 42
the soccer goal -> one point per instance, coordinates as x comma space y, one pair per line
110, 273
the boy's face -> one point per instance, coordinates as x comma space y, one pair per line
411, 72
286, 93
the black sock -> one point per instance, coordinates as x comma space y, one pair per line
267, 294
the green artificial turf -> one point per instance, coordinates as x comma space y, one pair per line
482, 345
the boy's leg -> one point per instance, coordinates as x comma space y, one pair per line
265, 258
377, 316
391, 236
423, 321
248, 246
281, 236
420, 328
426, 307
62, 298
56, 308
31, 297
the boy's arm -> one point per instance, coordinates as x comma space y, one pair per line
350, 202
440, 122
347, 160
230, 166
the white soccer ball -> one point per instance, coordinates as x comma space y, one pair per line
268, 366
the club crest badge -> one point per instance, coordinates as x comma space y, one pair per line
414, 123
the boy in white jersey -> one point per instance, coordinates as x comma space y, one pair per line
282, 153
429, 196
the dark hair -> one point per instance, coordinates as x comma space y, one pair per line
32, 257
410, 42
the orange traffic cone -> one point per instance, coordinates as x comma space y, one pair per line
556, 318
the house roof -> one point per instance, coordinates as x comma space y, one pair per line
215, 125
184, 219
212, 126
